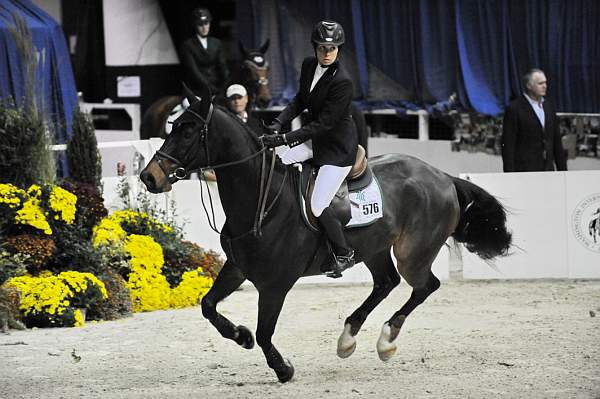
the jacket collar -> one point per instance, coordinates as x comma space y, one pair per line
327, 76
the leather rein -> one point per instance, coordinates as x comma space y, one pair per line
181, 172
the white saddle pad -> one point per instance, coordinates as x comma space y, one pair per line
366, 205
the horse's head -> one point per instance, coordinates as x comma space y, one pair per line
255, 74
181, 151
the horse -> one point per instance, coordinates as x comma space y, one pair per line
267, 242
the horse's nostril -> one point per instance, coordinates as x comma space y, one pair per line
148, 179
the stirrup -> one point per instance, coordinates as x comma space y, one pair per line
339, 264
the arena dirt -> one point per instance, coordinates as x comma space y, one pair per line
525, 339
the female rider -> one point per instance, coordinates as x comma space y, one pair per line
330, 137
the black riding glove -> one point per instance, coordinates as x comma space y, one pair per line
273, 140
274, 127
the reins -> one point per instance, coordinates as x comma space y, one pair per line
264, 185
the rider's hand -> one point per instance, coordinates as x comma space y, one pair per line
273, 140
274, 127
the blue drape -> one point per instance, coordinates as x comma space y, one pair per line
418, 52
55, 86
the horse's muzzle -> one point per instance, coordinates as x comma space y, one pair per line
151, 184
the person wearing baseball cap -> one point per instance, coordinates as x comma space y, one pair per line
237, 102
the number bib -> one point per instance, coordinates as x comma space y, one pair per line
366, 205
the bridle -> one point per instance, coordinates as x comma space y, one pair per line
261, 81
181, 172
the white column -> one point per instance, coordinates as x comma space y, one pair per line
423, 125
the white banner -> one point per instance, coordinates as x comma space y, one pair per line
550, 214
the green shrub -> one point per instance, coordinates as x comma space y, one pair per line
85, 164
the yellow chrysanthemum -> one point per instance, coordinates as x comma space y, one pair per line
31, 214
194, 285
10, 195
79, 319
63, 203
149, 288
52, 294
108, 232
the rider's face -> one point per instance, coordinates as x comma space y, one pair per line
327, 54
203, 29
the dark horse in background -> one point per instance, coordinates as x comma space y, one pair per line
253, 74
423, 206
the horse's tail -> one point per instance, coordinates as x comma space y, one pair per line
482, 224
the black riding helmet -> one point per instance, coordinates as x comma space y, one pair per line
328, 32
201, 16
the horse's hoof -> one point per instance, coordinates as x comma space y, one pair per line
385, 348
285, 374
344, 352
244, 337
346, 343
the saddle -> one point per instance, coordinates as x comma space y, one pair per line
359, 177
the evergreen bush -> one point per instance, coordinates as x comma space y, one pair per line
82, 151
25, 155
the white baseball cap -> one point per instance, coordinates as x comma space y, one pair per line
236, 90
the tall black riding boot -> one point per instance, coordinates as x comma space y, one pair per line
343, 255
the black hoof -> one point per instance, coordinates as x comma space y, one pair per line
285, 374
244, 338
334, 274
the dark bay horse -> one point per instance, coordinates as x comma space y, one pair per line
422, 208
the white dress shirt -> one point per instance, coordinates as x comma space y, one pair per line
319, 71
203, 41
538, 108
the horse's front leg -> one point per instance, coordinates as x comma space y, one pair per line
228, 280
269, 307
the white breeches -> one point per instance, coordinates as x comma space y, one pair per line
328, 181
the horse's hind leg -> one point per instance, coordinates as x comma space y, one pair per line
385, 345
385, 279
228, 280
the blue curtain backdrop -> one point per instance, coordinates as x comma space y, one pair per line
54, 83
410, 53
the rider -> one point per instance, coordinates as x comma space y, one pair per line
202, 56
329, 138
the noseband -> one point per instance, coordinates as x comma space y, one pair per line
261, 80
181, 172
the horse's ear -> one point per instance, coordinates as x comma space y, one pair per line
263, 49
205, 93
191, 97
243, 50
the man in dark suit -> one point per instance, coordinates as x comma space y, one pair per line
530, 133
202, 56
329, 138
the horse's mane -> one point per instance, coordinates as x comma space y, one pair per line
241, 124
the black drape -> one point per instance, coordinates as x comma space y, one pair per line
83, 18
424, 50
